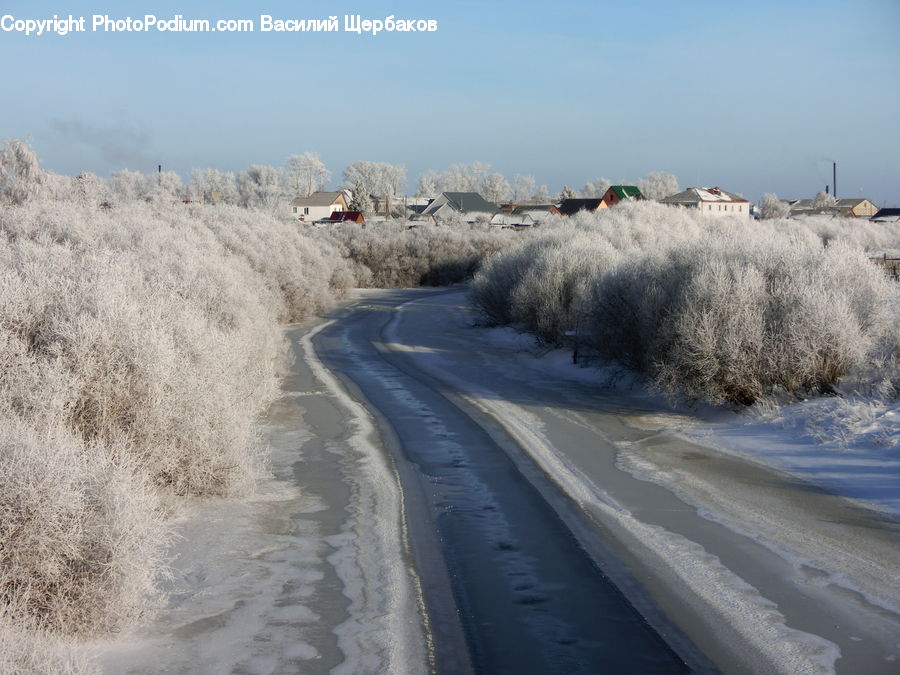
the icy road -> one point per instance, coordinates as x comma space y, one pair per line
443, 501
558, 529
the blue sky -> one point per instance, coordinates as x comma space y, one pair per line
752, 96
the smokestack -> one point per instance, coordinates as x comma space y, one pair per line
826, 188
834, 180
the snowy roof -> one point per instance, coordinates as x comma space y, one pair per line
702, 194
317, 199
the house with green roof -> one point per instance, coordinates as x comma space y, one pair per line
621, 193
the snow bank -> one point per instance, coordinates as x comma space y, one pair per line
380, 635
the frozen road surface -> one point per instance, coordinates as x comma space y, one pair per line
543, 493
441, 504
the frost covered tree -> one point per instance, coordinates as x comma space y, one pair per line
458, 178
362, 202
164, 186
596, 188
523, 187
90, 190
772, 207
658, 185
374, 178
455, 178
20, 173
542, 194
212, 186
305, 174
823, 200
259, 186
567, 193
495, 188
127, 186
428, 184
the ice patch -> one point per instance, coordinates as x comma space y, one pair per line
383, 591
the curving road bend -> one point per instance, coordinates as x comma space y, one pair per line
556, 528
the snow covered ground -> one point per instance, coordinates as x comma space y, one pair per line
849, 445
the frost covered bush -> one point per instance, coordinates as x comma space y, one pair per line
81, 532
721, 322
306, 272
537, 285
142, 351
20, 174
139, 340
712, 309
393, 255
875, 238
36, 652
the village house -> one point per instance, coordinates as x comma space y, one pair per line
713, 201
319, 206
512, 220
887, 215
569, 207
856, 207
469, 205
621, 193
536, 211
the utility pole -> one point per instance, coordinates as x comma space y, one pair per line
834, 180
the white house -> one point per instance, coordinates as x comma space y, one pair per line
713, 201
319, 206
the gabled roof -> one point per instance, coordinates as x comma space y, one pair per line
569, 207
627, 191
463, 202
697, 195
317, 199
889, 211
842, 207
341, 216
854, 201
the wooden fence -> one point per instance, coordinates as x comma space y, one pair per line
891, 266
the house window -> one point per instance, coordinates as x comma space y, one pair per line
295, 209
305, 210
